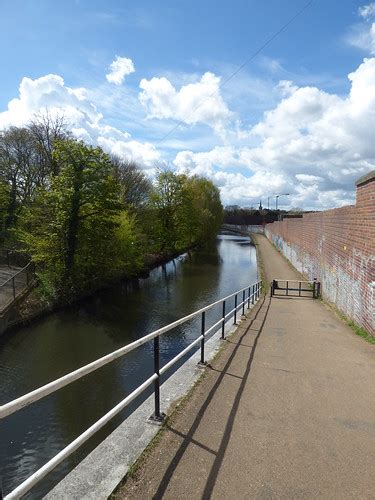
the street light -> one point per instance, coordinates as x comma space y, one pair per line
278, 196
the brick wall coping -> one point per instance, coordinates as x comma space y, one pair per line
370, 177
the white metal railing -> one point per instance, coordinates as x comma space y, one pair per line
250, 295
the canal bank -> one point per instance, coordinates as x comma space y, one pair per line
30, 306
68, 339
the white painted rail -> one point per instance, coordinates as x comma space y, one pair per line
253, 293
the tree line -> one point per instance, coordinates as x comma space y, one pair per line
85, 217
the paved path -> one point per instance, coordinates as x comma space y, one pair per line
286, 412
6, 291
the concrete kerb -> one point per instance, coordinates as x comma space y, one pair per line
100, 473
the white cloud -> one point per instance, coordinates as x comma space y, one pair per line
362, 36
313, 144
310, 143
119, 68
367, 11
50, 93
308, 178
199, 102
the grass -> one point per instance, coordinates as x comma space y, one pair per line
260, 263
358, 330
361, 332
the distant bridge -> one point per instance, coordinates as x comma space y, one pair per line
243, 229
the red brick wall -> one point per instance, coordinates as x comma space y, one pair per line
338, 248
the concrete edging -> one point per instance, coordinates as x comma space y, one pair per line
98, 475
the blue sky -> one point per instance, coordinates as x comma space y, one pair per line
276, 127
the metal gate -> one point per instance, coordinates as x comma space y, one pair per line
295, 288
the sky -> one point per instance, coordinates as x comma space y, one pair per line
157, 82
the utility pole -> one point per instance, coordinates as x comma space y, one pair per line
278, 196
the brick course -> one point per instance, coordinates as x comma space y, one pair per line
337, 247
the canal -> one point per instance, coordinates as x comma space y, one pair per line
68, 339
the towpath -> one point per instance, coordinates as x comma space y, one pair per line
6, 290
287, 411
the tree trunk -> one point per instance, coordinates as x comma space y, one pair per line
73, 222
12, 206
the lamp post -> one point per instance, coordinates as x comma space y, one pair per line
278, 196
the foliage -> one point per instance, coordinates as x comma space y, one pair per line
85, 217
4, 198
70, 229
207, 207
131, 244
134, 186
188, 211
172, 205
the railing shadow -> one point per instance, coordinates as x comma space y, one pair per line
189, 436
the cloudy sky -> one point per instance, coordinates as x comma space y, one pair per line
152, 80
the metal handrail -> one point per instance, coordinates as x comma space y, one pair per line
15, 274
253, 293
61, 382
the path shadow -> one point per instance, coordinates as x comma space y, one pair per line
189, 436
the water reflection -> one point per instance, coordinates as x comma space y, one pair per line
112, 318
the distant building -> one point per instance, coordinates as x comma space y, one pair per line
232, 208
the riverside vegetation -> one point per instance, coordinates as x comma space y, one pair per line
85, 217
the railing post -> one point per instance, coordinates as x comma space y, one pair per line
299, 289
248, 300
314, 284
252, 295
235, 309
203, 328
223, 323
157, 416
14, 288
258, 295
243, 302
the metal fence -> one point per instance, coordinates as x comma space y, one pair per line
13, 258
241, 300
12, 287
295, 288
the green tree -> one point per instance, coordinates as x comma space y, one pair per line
135, 187
207, 209
188, 211
18, 171
4, 200
70, 230
172, 203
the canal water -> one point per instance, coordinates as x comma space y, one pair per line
68, 339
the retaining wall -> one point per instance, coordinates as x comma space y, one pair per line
338, 248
